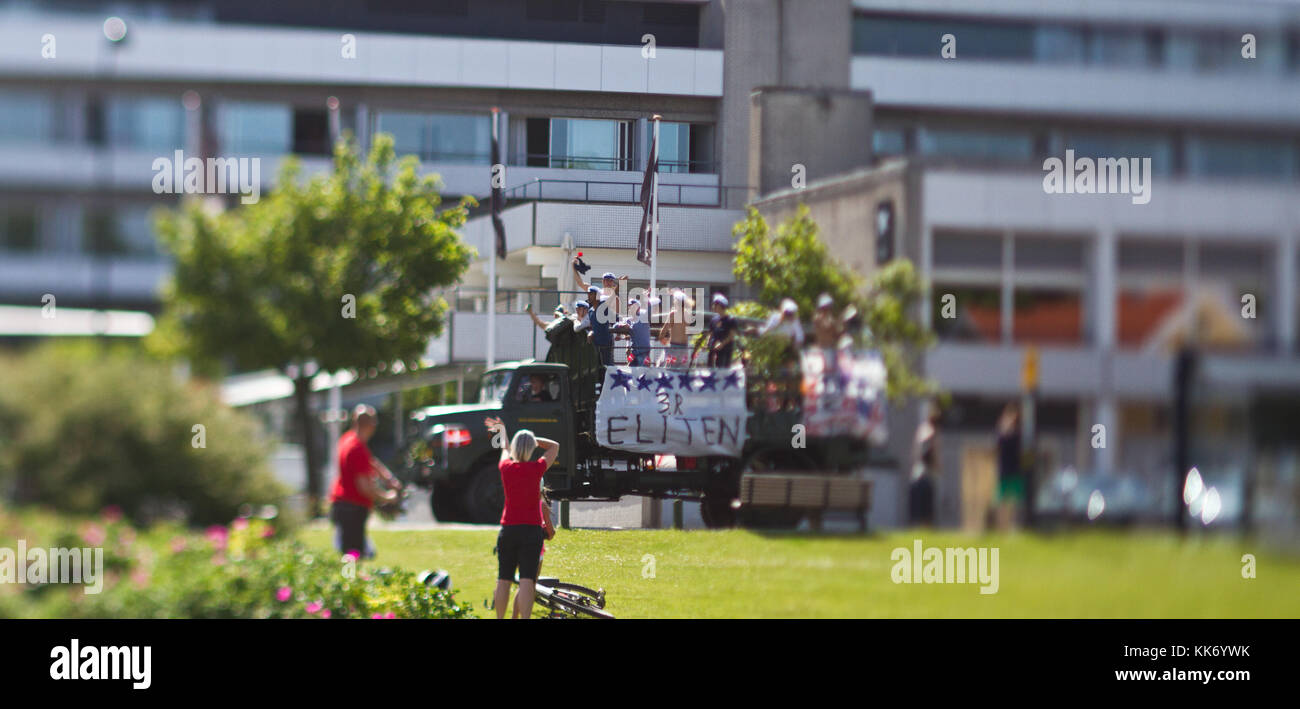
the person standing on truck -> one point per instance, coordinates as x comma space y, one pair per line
608, 287
601, 325
355, 489
721, 334
522, 535
673, 332
638, 328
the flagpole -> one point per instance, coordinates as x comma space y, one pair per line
654, 212
492, 270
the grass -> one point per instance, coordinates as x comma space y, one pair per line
746, 574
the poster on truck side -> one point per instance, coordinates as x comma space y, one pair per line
694, 412
844, 393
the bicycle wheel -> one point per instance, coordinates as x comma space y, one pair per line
598, 595
579, 604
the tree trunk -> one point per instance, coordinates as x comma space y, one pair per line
307, 426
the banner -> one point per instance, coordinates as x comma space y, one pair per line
672, 411
844, 393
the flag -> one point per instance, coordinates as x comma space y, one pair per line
498, 196
645, 240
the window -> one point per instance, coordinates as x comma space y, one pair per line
18, 229
538, 389
1098, 145
977, 145
1229, 273
494, 387
1241, 157
118, 231
922, 37
147, 123
685, 147
967, 313
1129, 48
311, 132
565, 10
440, 137
889, 141
26, 117
1047, 316
255, 129
589, 144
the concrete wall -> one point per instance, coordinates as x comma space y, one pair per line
827, 132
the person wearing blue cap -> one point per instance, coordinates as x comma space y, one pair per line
638, 327
608, 288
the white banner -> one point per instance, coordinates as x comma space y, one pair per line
672, 411
844, 394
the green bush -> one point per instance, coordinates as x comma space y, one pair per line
245, 570
84, 427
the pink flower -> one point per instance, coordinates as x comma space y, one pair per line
217, 535
325, 614
354, 554
238, 524
178, 544
93, 534
390, 615
376, 616
313, 607
267, 531
140, 578
384, 616
112, 513
284, 594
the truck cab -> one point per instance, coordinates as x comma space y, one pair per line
455, 456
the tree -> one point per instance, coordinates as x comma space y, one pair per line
795, 263
336, 272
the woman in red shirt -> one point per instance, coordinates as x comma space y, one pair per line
519, 544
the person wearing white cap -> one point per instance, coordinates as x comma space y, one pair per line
826, 326
673, 332
785, 321
721, 334
637, 326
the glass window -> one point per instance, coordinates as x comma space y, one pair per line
961, 250
494, 387
1098, 145
19, 229
1061, 44
685, 147
975, 144
1048, 253
589, 144
1241, 157
888, 141
154, 123
967, 313
26, 117
256, 129
1132, 48
917, 37
1050, 316
440, 137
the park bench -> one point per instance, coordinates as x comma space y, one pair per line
814, 494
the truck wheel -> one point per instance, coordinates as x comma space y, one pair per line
715, 509
446, 503
484, 497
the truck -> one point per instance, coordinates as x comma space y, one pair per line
455, 458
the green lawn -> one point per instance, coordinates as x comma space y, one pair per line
745, 574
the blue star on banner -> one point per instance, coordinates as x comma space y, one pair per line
684, 381
708, 381
621, 379
643, 383
665, 381
732, 380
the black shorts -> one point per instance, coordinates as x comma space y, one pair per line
519, 546
350, 519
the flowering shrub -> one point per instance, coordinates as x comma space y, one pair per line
243, 570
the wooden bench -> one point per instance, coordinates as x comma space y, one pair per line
811, 492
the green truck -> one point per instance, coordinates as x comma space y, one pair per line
455, 457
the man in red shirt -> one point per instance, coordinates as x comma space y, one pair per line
355, 489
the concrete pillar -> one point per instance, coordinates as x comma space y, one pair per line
1105, 267
1285, 293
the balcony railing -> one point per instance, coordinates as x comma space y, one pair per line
543, 189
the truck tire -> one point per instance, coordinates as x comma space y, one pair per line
445, 502
484, 498
716, 510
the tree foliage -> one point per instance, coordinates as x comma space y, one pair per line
266, 285
793, 262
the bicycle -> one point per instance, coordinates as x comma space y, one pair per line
569, 600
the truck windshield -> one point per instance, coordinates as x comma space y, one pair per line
494, 388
